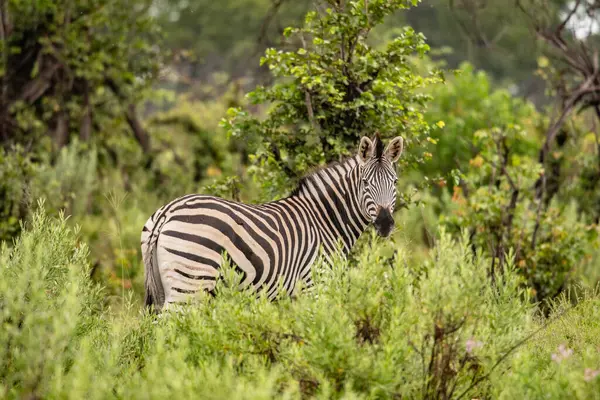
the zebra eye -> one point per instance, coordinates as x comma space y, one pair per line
395, 180
365, 182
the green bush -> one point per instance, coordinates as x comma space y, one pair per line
466, 103
26, 176
16, 170
371, 328
497, 203
563, 361
332, 89
74, 68
47, 304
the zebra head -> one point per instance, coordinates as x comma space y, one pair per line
377, 185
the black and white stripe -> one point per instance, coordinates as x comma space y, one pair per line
184, 241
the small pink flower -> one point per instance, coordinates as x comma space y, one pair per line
590, 374
562, 354
472, 344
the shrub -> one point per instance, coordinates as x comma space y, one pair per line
75, 68
26, 176
563, 361
16, 170
372, 327
497, 202
467, 103
332, 89
47, 304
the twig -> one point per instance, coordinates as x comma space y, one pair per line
560, 27
536, 228
583, 89
273, 10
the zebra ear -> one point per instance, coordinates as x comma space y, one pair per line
394, 149
365, 149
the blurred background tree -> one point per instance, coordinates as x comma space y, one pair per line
72, 68
226, 36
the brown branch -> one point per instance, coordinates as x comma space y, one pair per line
541, 189
34, 89
139, 132
264, 27
568, 17
583, 89
309, 109
507, 218
4, 33
85, 128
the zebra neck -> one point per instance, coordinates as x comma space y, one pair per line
332, 194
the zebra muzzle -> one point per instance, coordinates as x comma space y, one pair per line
384, 223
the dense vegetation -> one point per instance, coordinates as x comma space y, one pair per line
488, 288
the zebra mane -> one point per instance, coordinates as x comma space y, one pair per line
314, 173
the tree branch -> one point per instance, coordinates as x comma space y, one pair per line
85, 128
4, 32
34, 89
139, 132
560, 27
264, 27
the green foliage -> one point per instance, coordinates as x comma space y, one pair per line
47, 303
333, 89
190, 134
371, 329
397, 319
105, 187
66, 185
563, 361
467, 103
498, 203
74, 66
351, 334
69, 183
16, 170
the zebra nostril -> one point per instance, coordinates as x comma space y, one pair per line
384, 223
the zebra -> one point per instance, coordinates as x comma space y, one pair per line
270, 244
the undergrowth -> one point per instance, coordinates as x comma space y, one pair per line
372, 327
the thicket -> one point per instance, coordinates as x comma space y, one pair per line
371, 329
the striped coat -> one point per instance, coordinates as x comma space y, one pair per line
184, 241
